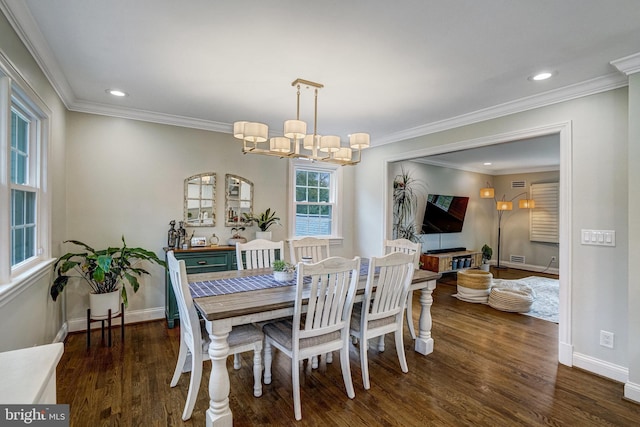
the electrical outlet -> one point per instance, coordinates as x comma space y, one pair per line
554, 259
606, 339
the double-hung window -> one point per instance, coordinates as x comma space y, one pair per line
23, 189
315, 197
24, 211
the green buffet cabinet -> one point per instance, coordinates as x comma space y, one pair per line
197, 260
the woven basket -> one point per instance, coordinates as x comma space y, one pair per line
512, 300
475, 279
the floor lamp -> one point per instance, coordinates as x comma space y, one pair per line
505, 205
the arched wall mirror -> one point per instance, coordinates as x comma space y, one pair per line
200, 200
238, 199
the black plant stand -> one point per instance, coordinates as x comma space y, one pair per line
108, 320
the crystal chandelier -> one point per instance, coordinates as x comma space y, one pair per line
296, 142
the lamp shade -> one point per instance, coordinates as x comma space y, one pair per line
295, 129
280, 144
526, 204
238, 129
504, 206
330, 143
358, 141
487, 193
343, 154
307, 142
255, 132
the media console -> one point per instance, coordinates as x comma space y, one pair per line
444, 251
453, 260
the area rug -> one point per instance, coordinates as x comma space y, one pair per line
546, 304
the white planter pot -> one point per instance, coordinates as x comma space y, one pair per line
101, 303
283, 276
484, 267
263, 235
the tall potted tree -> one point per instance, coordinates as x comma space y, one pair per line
404, 207
105, 271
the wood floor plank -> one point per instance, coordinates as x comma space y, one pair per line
488, 368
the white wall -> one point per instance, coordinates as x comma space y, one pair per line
599, 188
32, 318
632, 388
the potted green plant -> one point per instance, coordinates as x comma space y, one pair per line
487, 253
404, 206
264, 221
283, 271
105, 271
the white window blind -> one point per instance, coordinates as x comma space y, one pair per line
544, 218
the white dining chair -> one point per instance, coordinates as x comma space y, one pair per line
258, 253
194, 340
324, 327
406, 247
381, 310
308, 247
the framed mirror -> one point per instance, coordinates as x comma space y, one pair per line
238, 199
200, 200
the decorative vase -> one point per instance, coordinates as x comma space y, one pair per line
101, 303
263, 235
283, 276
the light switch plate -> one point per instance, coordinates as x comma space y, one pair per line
598, 237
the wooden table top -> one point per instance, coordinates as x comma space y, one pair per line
251, 302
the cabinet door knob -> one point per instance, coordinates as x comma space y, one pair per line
202, 262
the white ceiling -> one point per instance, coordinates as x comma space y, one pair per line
393, 69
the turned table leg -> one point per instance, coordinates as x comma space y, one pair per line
424, 342
219, 413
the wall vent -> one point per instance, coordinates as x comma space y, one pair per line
516, 259
519, 184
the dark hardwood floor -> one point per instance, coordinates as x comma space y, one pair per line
488, 368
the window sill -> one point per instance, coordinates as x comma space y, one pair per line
24, 281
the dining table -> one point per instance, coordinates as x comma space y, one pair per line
230, 298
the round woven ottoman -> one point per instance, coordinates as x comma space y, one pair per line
511, 295
474, 286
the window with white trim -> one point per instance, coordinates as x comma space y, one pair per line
24, 211
315, 196
23, 190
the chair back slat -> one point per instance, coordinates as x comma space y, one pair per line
404, 246
391, 285
330, 296
317, 249
259, 253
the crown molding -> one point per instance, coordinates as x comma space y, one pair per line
578, 90
151, 116
628, 65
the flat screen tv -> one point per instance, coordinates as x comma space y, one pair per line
444, 214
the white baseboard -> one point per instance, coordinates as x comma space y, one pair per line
632, 391
62, 333
600, 367
528, 267
80, 324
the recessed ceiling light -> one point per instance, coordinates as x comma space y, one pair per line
541, 76
116, 92
487, 163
